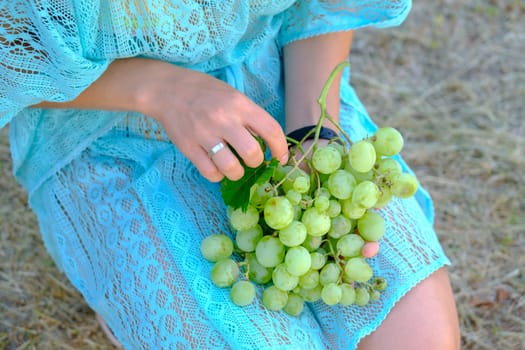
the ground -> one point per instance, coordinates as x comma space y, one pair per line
452, 79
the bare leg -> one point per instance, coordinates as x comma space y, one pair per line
426, 318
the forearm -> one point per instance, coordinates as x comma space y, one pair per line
122, 87
307, 65
197, 111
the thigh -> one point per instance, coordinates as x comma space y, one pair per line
425, 318
409, 253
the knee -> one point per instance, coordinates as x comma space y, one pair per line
425, 318
442, 334
441, 329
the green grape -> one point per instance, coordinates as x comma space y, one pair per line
309, 280
331, 293
317, 223
294, 197
322, 192
387, 141
274, 299
259, 194
295, 305
216, 247
321, 203
312, 294
362, 156
293, 174
306, 202
388, 167
385, 195
301, 184
244, 220
404, 185
338, 146
269, 251
362, 297
293, 234
297, 213
283, 279
365, 194
341, 225
350, 245
256, 272
330, 273
334, 208
341, 184
246, 240
366, 176
371, 226
224, 272
278, 212
298, 261
358, 270
318, 259
242, 293
374, 295
348, 294
326, 159
352, 210
379, 283
312, 243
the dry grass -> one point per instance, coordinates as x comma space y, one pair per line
452, 78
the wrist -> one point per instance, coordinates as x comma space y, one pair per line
149, 86
309, 133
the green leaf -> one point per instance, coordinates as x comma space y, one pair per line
268, 172
237, 193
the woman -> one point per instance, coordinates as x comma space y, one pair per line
116, 109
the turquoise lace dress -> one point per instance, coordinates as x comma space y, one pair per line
122, 212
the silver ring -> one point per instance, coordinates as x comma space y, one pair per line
215, 149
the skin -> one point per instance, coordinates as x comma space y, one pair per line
197, 111
305, 78
426, 318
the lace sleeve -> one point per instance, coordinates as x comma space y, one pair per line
315, 17
41, 55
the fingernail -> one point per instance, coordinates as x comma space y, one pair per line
284, 159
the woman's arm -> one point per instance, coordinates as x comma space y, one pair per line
196, 110
307, 65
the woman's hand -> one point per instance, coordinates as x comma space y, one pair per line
199, 112
196, 110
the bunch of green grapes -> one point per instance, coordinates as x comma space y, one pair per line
302, 234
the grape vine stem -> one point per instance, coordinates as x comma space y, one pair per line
324, 115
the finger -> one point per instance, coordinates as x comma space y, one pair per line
370, 249
227, 163
272, 133
247, 147
205, 165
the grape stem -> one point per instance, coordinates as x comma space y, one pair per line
338, 261
322, 104
324, 115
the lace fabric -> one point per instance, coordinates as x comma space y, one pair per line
125, 220
51, 50
122, 212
